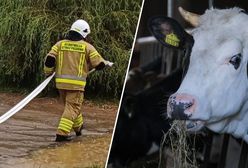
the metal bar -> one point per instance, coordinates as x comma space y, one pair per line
243, 155
223, 154
210, 4
170, 4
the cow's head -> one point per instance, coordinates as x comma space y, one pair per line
215, 85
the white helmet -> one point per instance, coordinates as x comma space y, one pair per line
81, 26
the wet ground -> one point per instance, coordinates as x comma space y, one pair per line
27, 138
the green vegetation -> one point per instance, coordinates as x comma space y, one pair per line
30, 27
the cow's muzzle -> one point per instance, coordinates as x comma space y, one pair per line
181, 106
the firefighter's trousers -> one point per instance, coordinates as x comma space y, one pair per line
72, 117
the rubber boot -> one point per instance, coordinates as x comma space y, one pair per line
79, 133
61, 138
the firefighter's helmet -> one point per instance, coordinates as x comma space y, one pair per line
82, 27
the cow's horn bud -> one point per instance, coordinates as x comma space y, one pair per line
192, 18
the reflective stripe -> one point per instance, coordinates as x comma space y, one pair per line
70, 81
94, 54
64, 127
61, 56
77, 125
78, 121
65, 124
73, 46
66, 120
55, 48
71, 77
81, 64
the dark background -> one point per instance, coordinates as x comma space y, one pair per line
159, 7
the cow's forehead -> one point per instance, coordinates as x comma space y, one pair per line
216, 17
217, 45
222, 31
226, 22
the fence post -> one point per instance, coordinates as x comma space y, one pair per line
210, 4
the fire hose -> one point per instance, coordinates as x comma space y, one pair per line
27, 99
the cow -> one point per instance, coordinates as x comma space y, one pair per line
214, 91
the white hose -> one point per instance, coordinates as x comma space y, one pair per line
30, 97
26, 100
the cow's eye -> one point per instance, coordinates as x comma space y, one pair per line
235, 60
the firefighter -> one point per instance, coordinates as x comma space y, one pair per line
72, 59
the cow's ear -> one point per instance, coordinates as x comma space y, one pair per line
168, 31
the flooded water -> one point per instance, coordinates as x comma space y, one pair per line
89, 151
27, 138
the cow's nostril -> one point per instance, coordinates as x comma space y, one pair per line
188, 105
180, 106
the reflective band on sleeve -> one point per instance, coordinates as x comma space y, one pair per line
73, 46
65, 124
71, 81
94, 54
55, 48
81, 64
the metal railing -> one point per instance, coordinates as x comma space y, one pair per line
151, 49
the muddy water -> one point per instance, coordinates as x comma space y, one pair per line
89, 151
27, 138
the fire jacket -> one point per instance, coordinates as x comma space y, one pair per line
72, 60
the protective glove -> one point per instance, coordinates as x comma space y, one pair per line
48, 74
108, 63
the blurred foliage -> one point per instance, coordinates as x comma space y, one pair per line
30, 27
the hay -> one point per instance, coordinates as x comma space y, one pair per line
30, 27
183, 155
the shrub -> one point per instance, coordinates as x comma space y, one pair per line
30, 27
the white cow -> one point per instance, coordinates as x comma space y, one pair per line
214, 92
